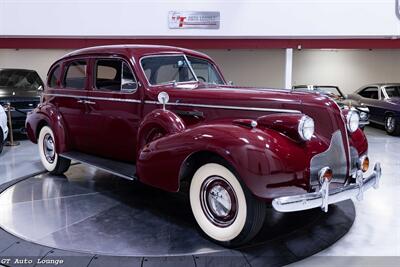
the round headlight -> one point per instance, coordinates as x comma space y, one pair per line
363, 115
353, 121
306, 128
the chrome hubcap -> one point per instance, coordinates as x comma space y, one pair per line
48, 148
218, 201
390, 123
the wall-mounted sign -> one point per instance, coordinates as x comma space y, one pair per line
193, 20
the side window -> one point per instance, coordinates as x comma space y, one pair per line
114, 75
370, 92
75, 76
54, 76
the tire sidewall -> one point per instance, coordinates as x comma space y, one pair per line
48, 166
221, 234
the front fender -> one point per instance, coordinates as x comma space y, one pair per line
265, 160
47, 114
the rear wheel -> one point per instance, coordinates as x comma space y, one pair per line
392, 126
224, 209
1, 140
53, 163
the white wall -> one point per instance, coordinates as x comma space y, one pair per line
259, 67
349, 69
243, 67
37, 59
239, 18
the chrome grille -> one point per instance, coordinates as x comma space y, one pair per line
334, 157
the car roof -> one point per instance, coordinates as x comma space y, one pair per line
380, 84
315, 85
136, 51
26, 70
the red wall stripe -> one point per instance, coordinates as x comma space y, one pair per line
74, 43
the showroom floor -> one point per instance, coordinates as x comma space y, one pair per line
376, 230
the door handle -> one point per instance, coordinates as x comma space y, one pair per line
89, 102
80, 101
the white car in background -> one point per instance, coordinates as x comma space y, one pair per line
3, 127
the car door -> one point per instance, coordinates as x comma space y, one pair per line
114, 109
68, 95
371, 96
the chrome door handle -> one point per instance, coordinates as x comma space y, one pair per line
80, 101
89, 102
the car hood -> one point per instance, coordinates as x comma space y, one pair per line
7, 92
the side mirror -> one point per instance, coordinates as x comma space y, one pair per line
230, 83
163, 98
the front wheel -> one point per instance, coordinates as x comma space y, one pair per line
224, 209
53, 163
392, 126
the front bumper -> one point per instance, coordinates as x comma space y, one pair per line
324, 197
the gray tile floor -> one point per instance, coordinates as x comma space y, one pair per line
19, 161
376, 231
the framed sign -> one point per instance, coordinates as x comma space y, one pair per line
193, 19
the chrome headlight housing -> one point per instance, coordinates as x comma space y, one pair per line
353, 121
306, 128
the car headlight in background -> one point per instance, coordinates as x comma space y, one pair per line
363, 115
306, 128
353, 121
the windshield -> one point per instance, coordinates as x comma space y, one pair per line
20, 79
393, 91
205, 71
178, 69
327, 90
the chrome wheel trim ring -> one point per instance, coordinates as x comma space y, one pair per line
49, 148
390, 123
218, 201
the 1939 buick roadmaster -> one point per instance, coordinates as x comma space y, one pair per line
165, 115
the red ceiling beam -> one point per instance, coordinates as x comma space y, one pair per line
74, 43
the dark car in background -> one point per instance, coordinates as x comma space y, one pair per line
383, 101
341, 99
21, 89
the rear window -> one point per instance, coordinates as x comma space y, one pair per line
54, 76
20, 79
75, 76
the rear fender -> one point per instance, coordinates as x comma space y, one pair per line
47, 115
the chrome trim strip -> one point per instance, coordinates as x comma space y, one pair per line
226, 107
178, 104
96, 98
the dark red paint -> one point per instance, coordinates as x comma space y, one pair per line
269, 160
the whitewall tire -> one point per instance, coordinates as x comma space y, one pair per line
52, 162
223, 208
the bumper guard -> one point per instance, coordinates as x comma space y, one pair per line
324, 196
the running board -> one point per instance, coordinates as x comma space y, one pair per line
122, 169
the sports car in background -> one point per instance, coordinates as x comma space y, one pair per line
341, 99
383, 101
20, 88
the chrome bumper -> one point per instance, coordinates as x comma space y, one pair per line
325, 196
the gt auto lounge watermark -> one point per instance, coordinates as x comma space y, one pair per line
30, 261
193, 20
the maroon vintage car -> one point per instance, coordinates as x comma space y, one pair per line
166, 116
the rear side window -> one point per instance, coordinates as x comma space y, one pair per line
393, 91
114, 75
53, 77
75, 76
370, 92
